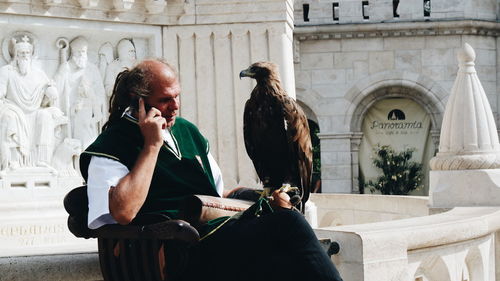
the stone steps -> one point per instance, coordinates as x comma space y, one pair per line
64, 267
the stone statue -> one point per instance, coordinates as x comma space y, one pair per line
53, 134
76, 75
64, 156
126, 59
23, 88
85, 114
106, 56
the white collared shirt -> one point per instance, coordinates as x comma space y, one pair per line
104, 173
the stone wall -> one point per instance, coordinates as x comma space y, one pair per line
375, 11
342, 69
209, 59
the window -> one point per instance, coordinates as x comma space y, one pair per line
395, 4
305, 9
365, 10
427, 8
335, 11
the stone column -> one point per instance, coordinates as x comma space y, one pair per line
336, 164
355, 143
465, 171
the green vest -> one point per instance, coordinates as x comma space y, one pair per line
174, 177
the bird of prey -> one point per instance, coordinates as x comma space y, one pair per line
276, 133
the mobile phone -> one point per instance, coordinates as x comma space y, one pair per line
134, 104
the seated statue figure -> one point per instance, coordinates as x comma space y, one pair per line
22, 90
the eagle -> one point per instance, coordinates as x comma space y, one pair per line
276, 133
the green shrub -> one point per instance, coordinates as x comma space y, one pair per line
399, 176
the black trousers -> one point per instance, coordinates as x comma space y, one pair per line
276, 246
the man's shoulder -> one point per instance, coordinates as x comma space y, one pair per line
120, 132
181, 122
116, 140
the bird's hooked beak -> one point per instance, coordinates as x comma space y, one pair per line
247, 73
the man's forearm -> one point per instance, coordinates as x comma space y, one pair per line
128, 196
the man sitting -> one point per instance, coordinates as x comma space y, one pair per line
147, 160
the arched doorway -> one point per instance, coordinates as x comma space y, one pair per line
391, 84
401, 124
314, 131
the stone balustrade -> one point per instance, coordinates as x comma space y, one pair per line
453, 246
349, 209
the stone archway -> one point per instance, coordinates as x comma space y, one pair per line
417, 87
417, 93
474, 264
433, 269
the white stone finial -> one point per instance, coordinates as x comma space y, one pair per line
466, 54
469, 138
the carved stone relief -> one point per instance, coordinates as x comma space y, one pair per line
46, 121
27, 103
82, 91
126, 59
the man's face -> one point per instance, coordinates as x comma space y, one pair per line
165, 97
79, 56
23, 60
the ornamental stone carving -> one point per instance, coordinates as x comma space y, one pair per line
125, 60
29, 117
469, 138
44, 122
105, 54
82, 92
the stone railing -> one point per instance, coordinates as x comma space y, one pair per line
453, 246
349, 209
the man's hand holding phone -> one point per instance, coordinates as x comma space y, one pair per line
151, 124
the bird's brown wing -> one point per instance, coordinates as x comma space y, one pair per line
247, 129
265, 138
299, 141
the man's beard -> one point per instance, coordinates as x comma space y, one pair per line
80, 62
24, 65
